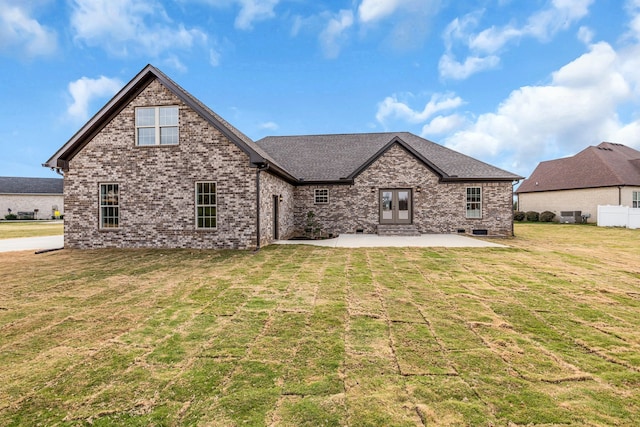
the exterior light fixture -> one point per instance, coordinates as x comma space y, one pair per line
418, 189
373, 189
280, 198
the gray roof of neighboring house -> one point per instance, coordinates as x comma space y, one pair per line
343, 157
19, 185
605, 165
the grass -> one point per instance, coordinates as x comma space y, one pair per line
12, 230
542, 333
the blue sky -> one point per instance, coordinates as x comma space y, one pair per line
509, 82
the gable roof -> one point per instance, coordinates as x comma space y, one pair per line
340, 158
19, 185
297, 159
60, 160
605, 165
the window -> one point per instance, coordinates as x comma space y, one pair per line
636, 200
474, 202
157, 126
321, 196
206, 209
109, 206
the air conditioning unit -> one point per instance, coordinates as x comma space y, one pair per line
570, 217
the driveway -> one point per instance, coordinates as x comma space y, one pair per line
31, 243
373, 240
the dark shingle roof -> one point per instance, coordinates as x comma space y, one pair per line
335, 157
18, 185
606, 165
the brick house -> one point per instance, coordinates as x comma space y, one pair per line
157, 168
606, 174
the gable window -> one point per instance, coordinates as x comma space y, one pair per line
474, 202
321, 196
206, 205
109, 206
157, 125
636, 200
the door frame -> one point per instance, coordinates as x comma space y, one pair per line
276, 215
395, 206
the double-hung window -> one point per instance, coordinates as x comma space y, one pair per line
109, 206
206, 205
321, 196
474, 202
635, 203
157, 125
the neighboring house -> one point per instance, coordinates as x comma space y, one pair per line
608, 174
157, 168
31, 198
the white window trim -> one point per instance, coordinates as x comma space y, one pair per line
101, 206
466, 203
315, 196
635, 198
195, 195
156, 126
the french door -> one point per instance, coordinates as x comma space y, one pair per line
395, 206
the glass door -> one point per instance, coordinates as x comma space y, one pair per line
395, 206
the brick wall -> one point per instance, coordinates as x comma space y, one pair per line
157, 206
437, 207
271, 186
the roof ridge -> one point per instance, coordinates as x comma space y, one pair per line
600, 152
335, 134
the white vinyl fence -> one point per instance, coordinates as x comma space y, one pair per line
618, 216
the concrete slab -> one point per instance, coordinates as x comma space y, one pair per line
373, 240
31, 243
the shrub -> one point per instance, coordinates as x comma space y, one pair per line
547, 216
518, 216
532, 216
11, 216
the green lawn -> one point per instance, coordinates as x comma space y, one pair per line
11, 230
542, 333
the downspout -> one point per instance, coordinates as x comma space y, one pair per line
513, 228
261, 167
619, 195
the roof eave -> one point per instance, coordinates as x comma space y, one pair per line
396, 140
342, 181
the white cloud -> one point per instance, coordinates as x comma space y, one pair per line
392, 108
376, 10
585, 35
373, 10
451, 68
269, 126
484, 45
175, 63
22, 33
580, 106
214, 57
85, 90
333, 35
125, 27
441, 125
254, 10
